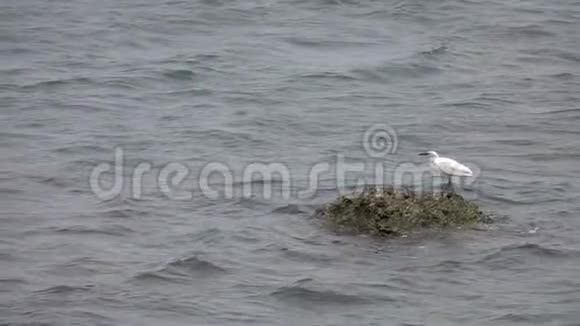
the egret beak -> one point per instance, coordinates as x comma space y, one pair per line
424, 154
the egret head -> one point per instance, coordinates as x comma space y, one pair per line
430, 154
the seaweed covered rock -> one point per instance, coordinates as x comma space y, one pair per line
396, 212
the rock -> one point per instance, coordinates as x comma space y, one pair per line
389, 212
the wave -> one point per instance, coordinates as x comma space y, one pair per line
125, 213
291, 209
304, 296
326, 75
65, 289
179, 74
396, 72
57, 83
80, 149
518, 255
181, 269
302, 256
115, 230
194, 264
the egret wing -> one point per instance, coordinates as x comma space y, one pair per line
452, 167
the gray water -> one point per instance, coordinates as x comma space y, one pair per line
492, 83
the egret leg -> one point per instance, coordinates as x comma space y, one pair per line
450, 185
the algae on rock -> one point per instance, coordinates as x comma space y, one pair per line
396, 212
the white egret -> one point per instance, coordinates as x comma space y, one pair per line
447, 167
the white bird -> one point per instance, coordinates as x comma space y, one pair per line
447, 166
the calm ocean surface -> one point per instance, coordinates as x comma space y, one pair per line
495, 84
